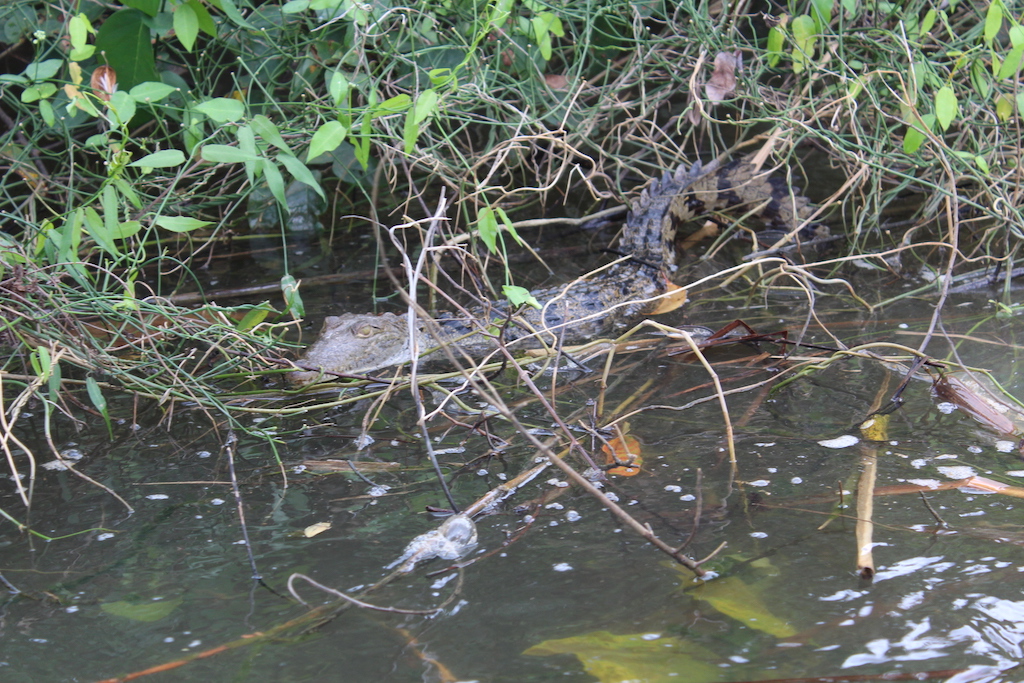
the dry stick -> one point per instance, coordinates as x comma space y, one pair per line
360, 603
413, 275
940, 520
444, 674
7, 435
865, 508
229, 450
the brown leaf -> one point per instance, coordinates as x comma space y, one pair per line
723, 79
104, 82
979, 404
316, 529
676, 298
556, 81
347, 466
624, 452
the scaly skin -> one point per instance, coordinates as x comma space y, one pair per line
589, 308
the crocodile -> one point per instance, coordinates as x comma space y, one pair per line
612, 298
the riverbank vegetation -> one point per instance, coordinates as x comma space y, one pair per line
141, 141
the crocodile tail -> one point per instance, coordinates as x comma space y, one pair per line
653, 217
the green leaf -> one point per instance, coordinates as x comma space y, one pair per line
126, 44
163, 159
993, 21
290, 288
517, 296
80, 54
612, 657
361, 142
275, 181
804, 36
509, 227
301, 173
222, 109
206, 23
822, 13
338, 87
980, 78
253, 318
1020, 104
544, 25
95, 227
1011, 65
108, 200
327, 138
487, 228
186, 26
914, 138
231, 10
393, 105
123, 106
180, 223
79, 29
927, 23
126, 229
46, 111
946, 106
96, 396
247, 144
34, 93
1016, 34
982, 164
734, 598
1004, 107
425, 106
776, 39
151, 91
266, 129
225, 154
150, 7
41, 71
41, 362
410, 133
126, 191
295, 6
144, 612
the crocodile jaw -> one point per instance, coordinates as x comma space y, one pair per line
355, 344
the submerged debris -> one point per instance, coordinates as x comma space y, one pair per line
450, 541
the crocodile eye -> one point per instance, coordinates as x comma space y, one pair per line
364, 331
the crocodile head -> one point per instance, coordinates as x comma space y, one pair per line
355, 344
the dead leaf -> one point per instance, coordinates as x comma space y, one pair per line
676, 298
875, 428
734, 598
723, 78
624, 452
316, 529
104, 82
343, 466
556, 81
980, 404
613, 658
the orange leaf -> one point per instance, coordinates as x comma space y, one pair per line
104, 82
624, 452
676, 298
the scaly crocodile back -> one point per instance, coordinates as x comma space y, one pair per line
657, 213
588, 308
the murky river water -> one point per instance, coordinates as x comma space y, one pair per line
567, 593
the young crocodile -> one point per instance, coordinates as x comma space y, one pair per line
589, 308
